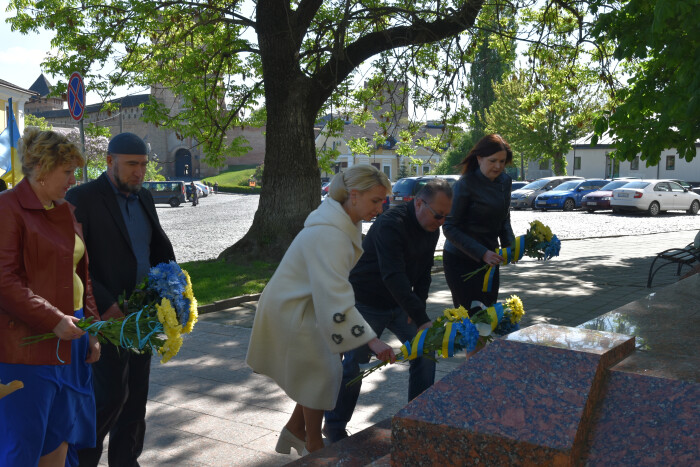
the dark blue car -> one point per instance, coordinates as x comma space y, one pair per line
567, 196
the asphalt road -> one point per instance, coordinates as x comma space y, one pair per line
203, 232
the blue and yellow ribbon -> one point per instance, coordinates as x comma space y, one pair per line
510, 255
495, 313
448, 340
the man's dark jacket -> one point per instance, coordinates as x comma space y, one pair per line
112, 260
395, 268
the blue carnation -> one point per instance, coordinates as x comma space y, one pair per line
506, 327
552, 248
168, 281
468, 335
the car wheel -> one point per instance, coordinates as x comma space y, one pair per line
569, 205
174, 202
590, 210
616, 210
694, 207
654, 209
532, 204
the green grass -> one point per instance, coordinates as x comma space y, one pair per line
237, 175
214, 280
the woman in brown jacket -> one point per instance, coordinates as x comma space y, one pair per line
45, 287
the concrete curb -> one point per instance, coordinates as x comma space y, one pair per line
227, 303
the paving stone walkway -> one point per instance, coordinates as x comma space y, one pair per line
207, 408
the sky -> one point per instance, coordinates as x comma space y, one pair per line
21, 56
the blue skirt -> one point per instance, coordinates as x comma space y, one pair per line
57, 404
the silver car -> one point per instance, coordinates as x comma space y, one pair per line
524, 197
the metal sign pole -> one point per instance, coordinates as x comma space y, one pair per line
82, 141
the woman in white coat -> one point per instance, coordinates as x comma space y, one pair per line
306, 315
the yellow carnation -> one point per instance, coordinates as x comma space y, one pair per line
171, 328
516, 308
189, 294
456, 314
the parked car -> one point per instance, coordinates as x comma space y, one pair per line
524, 197
204, 188
654, 196
567, 196
600, 200
172, 193
517, 185
686, 185
405, 189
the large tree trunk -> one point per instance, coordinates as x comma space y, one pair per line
291, 178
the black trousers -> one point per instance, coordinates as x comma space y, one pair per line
464, 292
120, 380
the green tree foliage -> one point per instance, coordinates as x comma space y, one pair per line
542, 109
221, 58
39, 122
494, 58
452, 158
96, 141
658, 44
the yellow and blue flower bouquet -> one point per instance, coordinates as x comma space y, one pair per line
159, 311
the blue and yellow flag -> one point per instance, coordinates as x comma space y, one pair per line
10, 168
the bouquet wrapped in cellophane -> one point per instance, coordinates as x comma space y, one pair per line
159, 311
455, 330
538, 242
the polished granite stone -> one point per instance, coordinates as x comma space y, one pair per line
363, 448
666, 326
550, 395
513, 400
645, 420
611, 346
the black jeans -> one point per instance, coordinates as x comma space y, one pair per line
120, 381
464, 292
421, 371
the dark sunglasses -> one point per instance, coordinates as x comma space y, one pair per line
436, 216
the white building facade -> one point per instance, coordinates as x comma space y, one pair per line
589, 161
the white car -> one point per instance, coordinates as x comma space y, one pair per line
654, 196
202, 188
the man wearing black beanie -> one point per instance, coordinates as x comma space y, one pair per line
124, 239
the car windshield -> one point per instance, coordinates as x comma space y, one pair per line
567, 186
616, 184
637, 185
536, 185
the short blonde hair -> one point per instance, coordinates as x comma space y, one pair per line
47, 149
357, 177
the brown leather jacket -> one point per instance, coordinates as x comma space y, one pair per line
36, 275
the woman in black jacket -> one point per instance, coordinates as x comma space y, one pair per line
479, 219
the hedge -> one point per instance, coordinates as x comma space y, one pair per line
247, 190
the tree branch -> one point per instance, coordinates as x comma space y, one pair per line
345, 61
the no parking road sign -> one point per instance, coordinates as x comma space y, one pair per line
76, 96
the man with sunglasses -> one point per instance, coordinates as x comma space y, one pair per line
391, 282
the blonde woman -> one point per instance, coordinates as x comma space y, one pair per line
45, 287
306, 316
